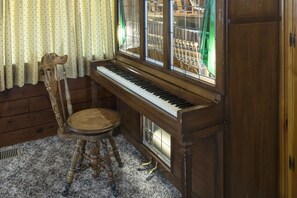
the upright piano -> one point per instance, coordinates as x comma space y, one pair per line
168, 77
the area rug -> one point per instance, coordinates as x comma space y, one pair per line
40, 171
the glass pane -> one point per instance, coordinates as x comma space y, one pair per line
157, 140
154, 31
128, 27
193, 34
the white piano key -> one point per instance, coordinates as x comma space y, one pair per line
156, 100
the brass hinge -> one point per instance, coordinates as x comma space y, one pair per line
292, 40
291, 163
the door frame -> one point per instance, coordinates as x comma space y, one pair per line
286, 99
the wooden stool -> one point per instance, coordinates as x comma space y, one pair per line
94, 125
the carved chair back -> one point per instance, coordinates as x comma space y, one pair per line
52, 81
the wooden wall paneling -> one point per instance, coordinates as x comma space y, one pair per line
29, 91
26, 120
14, 107
294, 102
252, 156
26, 91
79, 83
39, 103
28, 134
253, 9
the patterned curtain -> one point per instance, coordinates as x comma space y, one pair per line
82, 29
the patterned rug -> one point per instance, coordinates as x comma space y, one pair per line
40, 171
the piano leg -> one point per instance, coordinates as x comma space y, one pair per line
187, 171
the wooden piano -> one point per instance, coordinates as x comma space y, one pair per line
163, 80
186, 70
196, 131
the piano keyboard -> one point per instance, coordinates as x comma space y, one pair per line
159, 97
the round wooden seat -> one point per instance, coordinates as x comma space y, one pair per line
93, 121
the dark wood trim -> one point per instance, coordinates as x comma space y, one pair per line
220, 163
142, 30
166, 35
242, 20
187, 171
28, 134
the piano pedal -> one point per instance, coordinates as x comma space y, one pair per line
143, 168
148, 178
145, 165
153, 169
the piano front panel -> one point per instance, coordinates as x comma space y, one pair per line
205, 153
195, 113
207, 176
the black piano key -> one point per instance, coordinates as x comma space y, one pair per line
185, 105
166, 96
159, 92
175, 101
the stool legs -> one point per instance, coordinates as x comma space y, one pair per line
95, 159
72, 170
81, 156
109, 169
115, 151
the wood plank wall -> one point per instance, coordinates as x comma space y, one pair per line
253, 98
26, 114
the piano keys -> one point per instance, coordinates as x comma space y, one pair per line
159, 97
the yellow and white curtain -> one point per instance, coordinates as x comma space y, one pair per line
82, 29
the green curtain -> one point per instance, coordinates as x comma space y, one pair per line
208, 37
122, 24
